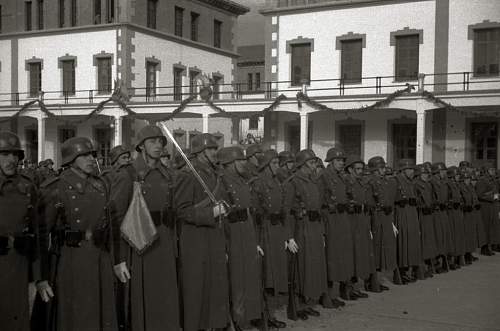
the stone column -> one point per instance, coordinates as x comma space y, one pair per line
41, 136
420, 131
118, 123
205, 123
304, 130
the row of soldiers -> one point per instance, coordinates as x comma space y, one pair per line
232, 233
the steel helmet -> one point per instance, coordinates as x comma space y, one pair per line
376, 162
230, 154
203, 141
147, 132
116, 152
335, 153
253, 149
406, 164
303, 156
351, 160
9, 142
266, 158
74, 147
286, 156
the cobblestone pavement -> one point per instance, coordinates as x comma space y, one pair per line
465, 299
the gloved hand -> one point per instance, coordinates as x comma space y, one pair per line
260, 250
220, 210
121, 272
292, 246
395, 230
45, 290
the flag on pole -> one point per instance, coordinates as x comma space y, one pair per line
137, 227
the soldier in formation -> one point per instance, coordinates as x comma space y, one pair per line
218, 237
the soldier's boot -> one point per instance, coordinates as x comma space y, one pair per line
396, 278
495, 248
419, 272
444, 263
372, 284
451, 263
432, 268
326, 301
460, 261
345, 291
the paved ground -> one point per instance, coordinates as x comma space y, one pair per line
466, 299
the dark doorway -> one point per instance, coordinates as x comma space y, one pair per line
350, 136
31, 144
292, 136
484, 141
103, 137
404, 141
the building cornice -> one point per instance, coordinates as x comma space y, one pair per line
227, 5
116, 26
331, 5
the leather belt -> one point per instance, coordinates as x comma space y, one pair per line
277, 219
238, 215
426, 210
314, 215
160, 217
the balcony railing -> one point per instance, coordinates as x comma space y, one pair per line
271, 4
376, 85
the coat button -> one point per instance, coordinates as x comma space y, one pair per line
78, 221
70, 187
73, 197
76, 209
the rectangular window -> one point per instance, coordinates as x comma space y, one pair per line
351, 61
179, 20
73, 12
104, 75
151, 20
27, 13
68, 68
350, 139
178, 83
0, 19
404, 141
110, 11
151, 79
61, 13
217, 33
103, 141
35, 73
195, 20
97, 11
253, 123
257, 80
407, 52
216, 87
66, 133
193, 75
301, 64
486, 52
250, 82
40, 14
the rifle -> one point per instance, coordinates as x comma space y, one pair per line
291, 309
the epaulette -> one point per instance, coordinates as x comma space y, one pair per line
49, 182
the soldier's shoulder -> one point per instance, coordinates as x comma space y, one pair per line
50, 182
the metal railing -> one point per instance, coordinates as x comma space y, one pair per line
332, 87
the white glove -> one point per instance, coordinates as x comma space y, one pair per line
260, 250
292, 246
395, 230
121, 272
371, 235
220, 210
45, 290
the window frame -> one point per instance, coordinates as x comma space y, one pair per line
151, 68
151, 13
31, 84
178, 21
217, 34
61, 9
346, 54
178, 72
40, 13
28, 15
257, 81
293, 61
193, 80
217, 80
249, 81
399, 48
74, 13
488, 43
195, 23
97, 5
72, 90
101, 90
